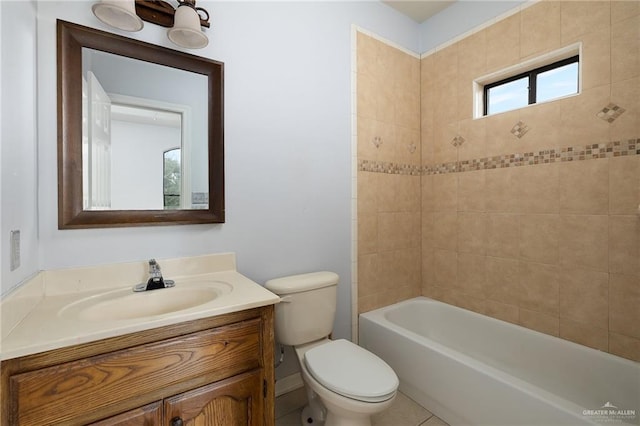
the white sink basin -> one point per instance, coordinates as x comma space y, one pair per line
124, 304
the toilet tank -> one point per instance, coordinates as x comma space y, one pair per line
307, 308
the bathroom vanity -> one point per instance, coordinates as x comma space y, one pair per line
207, 365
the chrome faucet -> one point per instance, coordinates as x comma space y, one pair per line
155, 281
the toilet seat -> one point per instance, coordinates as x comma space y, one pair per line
349, 370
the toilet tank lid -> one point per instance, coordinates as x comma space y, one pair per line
302, 282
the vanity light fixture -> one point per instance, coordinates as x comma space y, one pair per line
184, 22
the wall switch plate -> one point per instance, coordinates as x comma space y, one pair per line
15, 250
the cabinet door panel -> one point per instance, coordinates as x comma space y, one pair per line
149, 415
236, 401
75, 391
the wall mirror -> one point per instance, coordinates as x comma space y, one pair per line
140, 133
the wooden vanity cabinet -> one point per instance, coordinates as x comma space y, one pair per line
215, 371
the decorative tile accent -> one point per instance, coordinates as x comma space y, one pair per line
377, 141
610, 112
412, 147
390, 168
457, 141
519, 129
553, 155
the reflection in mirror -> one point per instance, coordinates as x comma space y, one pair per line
172, 179
140, 135
129, 127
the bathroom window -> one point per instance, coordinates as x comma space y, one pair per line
172, 179
541, 84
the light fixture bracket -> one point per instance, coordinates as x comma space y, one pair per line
162, 13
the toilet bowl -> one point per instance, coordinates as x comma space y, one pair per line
345, 384
352, 383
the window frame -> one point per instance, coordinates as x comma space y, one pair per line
532, 76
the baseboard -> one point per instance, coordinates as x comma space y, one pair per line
288, 384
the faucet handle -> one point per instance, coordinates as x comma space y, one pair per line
153, 266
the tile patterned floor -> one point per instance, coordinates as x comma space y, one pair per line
403, 412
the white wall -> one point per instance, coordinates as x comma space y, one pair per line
137, 150
459, 18
287, 141
18, 209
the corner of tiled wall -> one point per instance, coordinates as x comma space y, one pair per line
528, 216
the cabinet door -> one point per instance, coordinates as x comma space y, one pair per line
149, 415
236, 401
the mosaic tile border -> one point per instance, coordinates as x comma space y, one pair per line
554, 155
389, 168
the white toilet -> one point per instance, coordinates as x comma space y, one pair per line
351, 383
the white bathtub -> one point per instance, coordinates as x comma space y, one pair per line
468, 368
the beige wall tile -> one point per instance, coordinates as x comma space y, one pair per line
398, 193
407, 108
470, 303
580, 126
581, 17
471, 194
539, 287
367, 233
366, 53
502, 311
540, 28
624, 245
627, 95
472, 55
368, 275
397, 230
445, 230
584, 242
367, 193
624, 9
624, 346
427, 229
501, 190
445, 263
596, 59
428, 267
625, 49
544, 121
472, 232
502, 231
368, 129
584, 334
475, 144
544, 323
400, 268
584, 187
500, 140
472, 274
366, 96
443, 150
624, 300
624, 185
427, 141
538, 238
445, 192
427, 194
408, 146
537, 188
506, 35
503, 280
584, 297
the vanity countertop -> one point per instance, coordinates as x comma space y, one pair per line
43, 327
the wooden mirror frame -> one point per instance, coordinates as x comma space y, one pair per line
71, 38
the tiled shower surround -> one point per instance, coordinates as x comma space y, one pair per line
529, 216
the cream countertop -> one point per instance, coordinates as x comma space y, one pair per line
31, 320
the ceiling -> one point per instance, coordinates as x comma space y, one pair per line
419, 10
